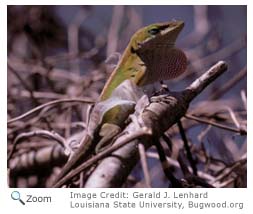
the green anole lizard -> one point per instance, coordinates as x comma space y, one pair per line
149, 57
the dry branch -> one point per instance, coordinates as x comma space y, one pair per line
163, 112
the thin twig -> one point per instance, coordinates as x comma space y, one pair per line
229, 84
201, 120
43, 133
228, 50
244, 99
229, 170
73, 38
112, 39
23, 82
225, 183
176, 164
191, 179
54, 102
233, 117
144, 165
203, 133
166, 167
187, 147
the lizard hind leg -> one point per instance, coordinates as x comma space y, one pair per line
108, 131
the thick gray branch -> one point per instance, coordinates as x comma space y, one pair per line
162, 113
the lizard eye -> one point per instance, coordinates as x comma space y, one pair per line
153, 31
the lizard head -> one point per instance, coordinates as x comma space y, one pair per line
159, 34
154, 45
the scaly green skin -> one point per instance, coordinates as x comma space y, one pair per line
138, 63
131, 65
127, 67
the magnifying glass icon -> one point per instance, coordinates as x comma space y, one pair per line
15, 195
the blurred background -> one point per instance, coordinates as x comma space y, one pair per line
57, 52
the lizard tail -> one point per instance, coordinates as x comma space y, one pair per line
81, 153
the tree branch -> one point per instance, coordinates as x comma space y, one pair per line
162, 113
